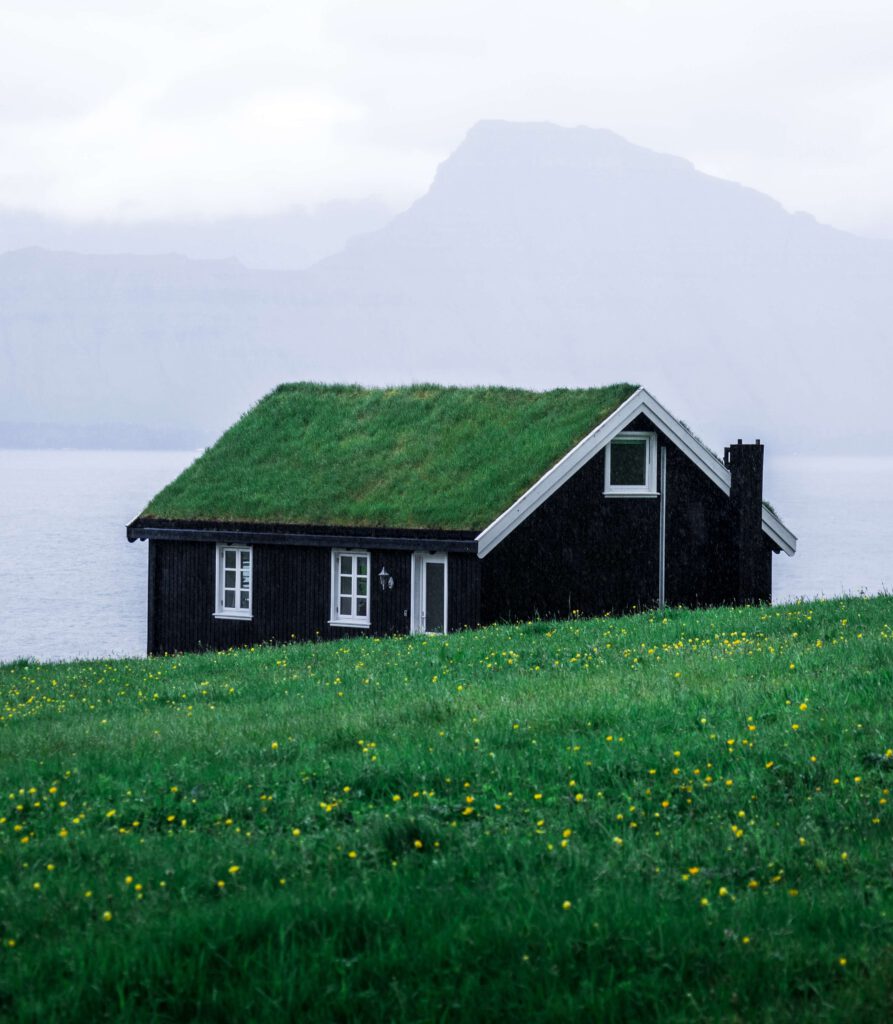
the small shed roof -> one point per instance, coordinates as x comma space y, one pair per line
417, 457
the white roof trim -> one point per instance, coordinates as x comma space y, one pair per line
640, 401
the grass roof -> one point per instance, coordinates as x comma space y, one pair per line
419, 457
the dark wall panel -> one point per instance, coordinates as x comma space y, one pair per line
464, 592
579, 552
701, 560
583, 552
291, 591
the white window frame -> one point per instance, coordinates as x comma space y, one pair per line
649, 488
220, 611
353, 620
419, 560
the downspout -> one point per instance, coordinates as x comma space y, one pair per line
662, 557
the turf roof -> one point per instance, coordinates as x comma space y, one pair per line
418, 457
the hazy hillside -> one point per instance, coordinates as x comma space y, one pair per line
548, 256
155, 341
540, 256
291, 240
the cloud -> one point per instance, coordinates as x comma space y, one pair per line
122, 109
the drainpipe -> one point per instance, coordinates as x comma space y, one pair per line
745, 463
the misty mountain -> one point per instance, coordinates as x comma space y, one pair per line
541, 256
292, 240
149, 341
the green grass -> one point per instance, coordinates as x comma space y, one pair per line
656, 818
415, 457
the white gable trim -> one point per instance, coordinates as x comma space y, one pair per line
640, 401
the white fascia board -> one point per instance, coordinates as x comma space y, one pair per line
562, 471
775, 529
638, 402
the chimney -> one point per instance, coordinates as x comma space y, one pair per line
745, 462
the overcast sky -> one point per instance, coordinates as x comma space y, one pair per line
124, 109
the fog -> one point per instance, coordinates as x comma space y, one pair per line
126, 111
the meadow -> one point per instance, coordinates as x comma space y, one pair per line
664, 817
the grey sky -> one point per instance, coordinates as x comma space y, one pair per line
126, 110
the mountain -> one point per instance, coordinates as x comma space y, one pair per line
540, 256
549, 256
291, 240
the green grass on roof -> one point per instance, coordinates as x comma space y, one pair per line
415, 457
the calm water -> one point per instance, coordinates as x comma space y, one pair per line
71, 585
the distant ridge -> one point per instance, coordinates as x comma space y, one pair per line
541, 256
100, 436
290, 240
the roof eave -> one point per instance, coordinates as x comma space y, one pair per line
222, 534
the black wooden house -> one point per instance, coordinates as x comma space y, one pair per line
329, 511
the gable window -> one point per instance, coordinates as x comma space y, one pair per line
234, 573
350, 588
631, 464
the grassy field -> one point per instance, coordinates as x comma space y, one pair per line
661, 818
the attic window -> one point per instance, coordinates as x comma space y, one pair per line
234, 574
350, 588
631, 464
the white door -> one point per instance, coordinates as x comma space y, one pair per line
429, 593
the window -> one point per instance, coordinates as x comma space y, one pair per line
233, 582
350, 588
631, 464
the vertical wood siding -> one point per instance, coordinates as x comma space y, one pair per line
463, 592
581, 552
291, 590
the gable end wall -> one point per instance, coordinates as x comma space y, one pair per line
581, 552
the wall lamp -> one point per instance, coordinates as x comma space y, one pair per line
386, 579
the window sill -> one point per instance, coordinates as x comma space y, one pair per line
631, 494
349, 623
244, 617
